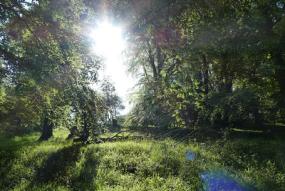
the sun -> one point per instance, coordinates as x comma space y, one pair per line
108, 40
109, 43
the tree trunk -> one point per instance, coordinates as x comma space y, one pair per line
73, 132
160, 60
85, 133
226, 75
205, 73
280, 75
47, 129
115, 125
228, 85
153, 67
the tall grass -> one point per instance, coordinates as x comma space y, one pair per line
136, 165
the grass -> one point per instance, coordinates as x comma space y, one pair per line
136, 165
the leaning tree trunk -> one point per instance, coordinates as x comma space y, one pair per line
47, 129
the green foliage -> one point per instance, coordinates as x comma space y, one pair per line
219, 62
149, 110
46, 68
112, 103
200, 64
239, 108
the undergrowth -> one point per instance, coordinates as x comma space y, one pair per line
137, 165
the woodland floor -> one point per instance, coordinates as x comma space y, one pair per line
145, 163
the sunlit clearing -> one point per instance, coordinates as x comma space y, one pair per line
110, 44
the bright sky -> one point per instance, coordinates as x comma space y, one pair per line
110, 44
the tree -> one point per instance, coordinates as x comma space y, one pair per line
112, 101
42, 43
198, 59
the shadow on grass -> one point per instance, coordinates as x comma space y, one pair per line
180, 134
9, 149
6, 164
60, 169
57, 169
266, 132
86, 178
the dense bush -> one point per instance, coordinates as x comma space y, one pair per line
237, 109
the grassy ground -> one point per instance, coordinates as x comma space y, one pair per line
137, 165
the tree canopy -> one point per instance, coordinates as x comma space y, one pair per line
215, 64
